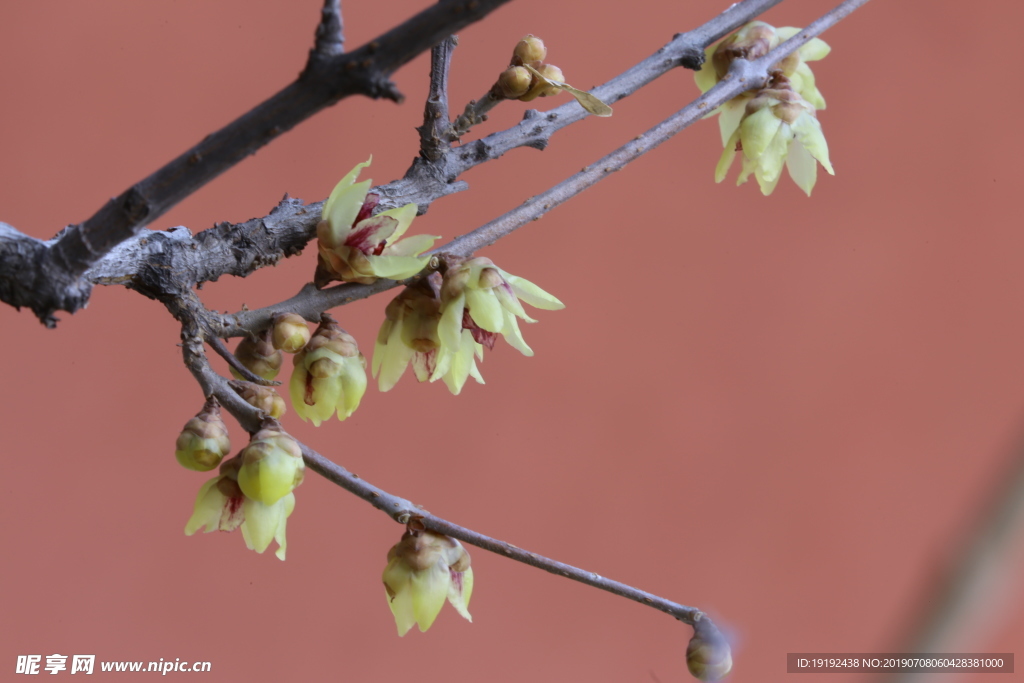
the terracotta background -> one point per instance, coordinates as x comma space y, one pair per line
785, 411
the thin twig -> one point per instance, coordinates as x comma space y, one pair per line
742, 76
435, 133
226, 248
475, 112
401, 509
973, 579
330, 32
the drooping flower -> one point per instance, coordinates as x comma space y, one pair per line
357, 247
222, 506
329, 375
425, 569
778, 128
480, 301
203, 441
409, 335
272, 466
752, 41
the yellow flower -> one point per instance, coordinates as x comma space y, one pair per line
478, 302
409, 335
222, 506
424, 569
752, 41
272, 466
357, 247
778, 127
329, 375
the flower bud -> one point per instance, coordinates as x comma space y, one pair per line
259, 356
203, 441
542, 82
271, 466
264, 398
290, 332
514, 82
708, 656
529, 49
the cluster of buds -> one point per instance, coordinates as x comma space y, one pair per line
355, 246
259, 356
203, 441
776, 125
329, 374
254, 491
425, 569
442, 325
529, 77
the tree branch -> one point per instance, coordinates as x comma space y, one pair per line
240, 249
330, 32
435, 133
326, 79
401, 509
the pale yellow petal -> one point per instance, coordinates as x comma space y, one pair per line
429, 591
343, 185
757, 132
803, 169
460, 588
449, 329
484, 309
532, 294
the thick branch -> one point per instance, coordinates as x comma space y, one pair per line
326, 79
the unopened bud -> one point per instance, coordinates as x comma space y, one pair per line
259, 356
708, 656
271, 466
264, 398
203, 441
529, 49
514, 82
542, 85
290, 332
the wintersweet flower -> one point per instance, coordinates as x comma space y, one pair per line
480, 301
425, 569
752, 41
329, 374
222, 506
203, 441
778, 127
272, 466
357, 247
408, 335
